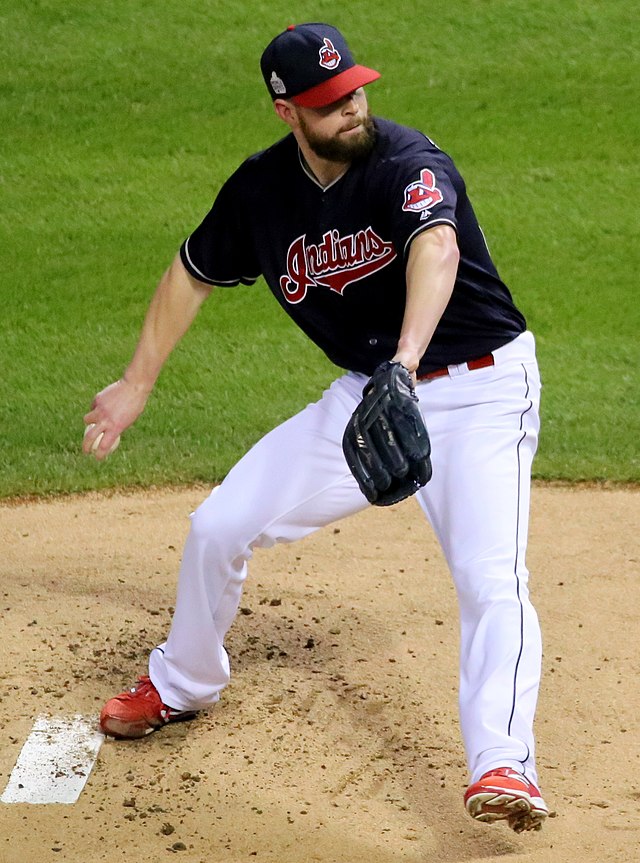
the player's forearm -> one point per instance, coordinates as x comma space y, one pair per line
171, 312
431, 274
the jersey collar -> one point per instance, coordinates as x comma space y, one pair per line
305, 167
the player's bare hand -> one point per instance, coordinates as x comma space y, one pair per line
113, 410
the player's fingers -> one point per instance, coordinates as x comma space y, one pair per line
103, 447
99, 442
90, 435
108, 442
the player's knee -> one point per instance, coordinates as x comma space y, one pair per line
223, 531
489, 580
212, 525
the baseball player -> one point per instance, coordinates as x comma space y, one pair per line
363, 231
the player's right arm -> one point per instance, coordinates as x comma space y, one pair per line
171, 312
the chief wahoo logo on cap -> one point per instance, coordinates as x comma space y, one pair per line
329, 57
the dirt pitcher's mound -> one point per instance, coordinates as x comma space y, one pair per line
338, 738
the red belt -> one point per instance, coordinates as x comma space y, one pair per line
470, 366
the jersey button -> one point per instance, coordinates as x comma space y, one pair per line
373, 342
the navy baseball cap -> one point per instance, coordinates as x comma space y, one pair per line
311, 64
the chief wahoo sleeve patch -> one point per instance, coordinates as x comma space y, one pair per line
422, 195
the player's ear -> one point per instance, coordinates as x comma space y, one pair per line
286, 111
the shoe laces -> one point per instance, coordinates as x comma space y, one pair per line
509, 773
144, 687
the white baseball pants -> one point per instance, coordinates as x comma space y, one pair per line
483, 426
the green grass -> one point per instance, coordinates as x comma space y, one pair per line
120, 121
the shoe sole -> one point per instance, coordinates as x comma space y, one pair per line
522, 811
122, 730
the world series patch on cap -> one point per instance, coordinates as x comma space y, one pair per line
311, 64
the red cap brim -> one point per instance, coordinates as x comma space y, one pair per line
335, 88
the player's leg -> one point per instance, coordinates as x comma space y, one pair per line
484, 428
292, 482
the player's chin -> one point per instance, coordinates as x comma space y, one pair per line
359, 143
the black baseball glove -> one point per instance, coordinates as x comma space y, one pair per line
386, 443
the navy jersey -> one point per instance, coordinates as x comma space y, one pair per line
335, 257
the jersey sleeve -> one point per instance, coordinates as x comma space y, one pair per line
423, 195
220, 251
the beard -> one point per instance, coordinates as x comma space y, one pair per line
336, 149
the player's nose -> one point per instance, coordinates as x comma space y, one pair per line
350, 105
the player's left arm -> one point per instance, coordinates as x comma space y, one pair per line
431, 271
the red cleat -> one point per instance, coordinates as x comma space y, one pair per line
138, 712
504, 794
